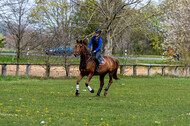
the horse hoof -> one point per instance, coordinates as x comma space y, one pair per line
105, 93
77, 93
92, 91
97, 96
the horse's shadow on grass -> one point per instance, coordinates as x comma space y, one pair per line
83, 96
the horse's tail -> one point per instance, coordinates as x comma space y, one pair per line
115, 73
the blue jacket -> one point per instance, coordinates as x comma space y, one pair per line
99, 44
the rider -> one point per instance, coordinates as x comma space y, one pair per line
96, 43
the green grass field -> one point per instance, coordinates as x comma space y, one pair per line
131, 101
36, 59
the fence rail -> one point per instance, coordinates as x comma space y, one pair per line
121, 66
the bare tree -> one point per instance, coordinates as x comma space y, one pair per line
14, 14
115, 16
54, 19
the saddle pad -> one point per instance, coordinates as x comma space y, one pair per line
101, 60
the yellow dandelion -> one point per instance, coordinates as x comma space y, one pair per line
33, 99
22, 105
18, 110
103, 123
61, 113
37, 111
104, 110
107, 124
10, 100
47, 111
73, 119
83, 119
34, 121
158, 122
133, 117
1, 103
86, 123
5, 90
5, 109
100, 124
71, 113
58, 92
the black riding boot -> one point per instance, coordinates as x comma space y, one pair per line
97, 66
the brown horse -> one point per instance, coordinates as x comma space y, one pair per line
87, 68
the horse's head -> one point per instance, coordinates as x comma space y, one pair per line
80, 47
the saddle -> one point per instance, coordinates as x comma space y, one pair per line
101, 60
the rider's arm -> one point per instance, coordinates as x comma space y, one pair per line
89, 46
100, 44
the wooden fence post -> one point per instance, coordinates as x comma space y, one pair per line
149, 71
163, 71
67, 69
176, 70
27, 69
187, 70
121, 69
134, 70
4, 69
47, 70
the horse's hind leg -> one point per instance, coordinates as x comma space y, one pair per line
77, 86
109, 84
101, 84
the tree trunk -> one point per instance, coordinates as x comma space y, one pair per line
108, 45
18, 57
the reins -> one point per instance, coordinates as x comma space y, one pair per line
85, 54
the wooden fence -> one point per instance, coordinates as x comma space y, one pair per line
149, 68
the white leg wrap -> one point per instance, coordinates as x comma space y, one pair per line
77, 87
89, 88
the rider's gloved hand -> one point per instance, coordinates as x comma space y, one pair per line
92, 52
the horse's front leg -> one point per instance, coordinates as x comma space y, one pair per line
77, 86
87, 82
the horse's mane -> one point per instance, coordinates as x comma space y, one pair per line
83, 42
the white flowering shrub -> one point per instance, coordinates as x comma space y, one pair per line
176, 22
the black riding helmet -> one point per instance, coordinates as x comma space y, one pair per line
98, 31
